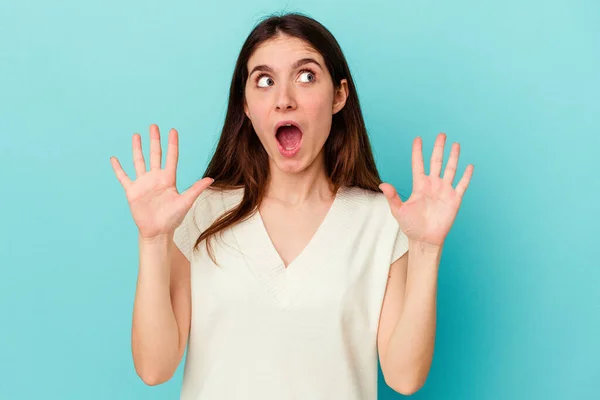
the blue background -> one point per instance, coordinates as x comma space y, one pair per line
517, 83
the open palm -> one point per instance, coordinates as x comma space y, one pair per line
431, 209
156, 205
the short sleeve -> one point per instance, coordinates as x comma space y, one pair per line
187, 232
400, 245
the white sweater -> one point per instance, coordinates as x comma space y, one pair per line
306, 332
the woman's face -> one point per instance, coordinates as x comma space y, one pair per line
289, 82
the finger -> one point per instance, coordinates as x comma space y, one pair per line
450, 171
172, 151
138, 157
391, 195
463, 184
120, 173
155, 149
437, 156
192, 193
417, 158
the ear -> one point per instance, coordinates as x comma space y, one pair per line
246, 111
340, 96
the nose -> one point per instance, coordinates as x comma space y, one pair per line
285, 98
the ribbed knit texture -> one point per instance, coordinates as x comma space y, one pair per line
262, 331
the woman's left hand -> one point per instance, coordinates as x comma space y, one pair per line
428, 214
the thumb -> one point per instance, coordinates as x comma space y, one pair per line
192, 193
391, 195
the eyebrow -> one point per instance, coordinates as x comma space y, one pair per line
297, 64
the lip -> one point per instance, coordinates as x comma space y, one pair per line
287, 122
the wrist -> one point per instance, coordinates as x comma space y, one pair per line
160, 239
424, 258
424, 247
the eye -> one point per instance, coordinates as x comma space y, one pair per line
266, 81
308, 75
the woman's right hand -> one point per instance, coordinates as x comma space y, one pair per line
156, 206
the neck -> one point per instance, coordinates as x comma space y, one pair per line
298, 187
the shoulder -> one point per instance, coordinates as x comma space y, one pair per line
365, 200
369, 219
212, 203
369, 209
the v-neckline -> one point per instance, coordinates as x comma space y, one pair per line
266, 265
307, 247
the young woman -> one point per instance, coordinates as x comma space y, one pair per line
311, 270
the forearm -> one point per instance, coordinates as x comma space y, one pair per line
155, 336
410, 349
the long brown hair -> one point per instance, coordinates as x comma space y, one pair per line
240, 161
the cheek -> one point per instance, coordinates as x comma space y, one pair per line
260, 123
319, 102
256, 113
320, 110
253, 103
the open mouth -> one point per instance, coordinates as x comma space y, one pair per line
289, 137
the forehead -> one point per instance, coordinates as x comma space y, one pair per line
282, 51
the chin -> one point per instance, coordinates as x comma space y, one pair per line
291, 165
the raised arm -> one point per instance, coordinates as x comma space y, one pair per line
162, 305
